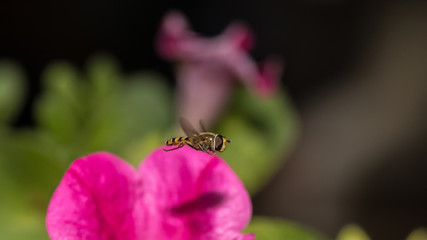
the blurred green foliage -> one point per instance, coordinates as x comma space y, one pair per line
418, 234
277, 229
352, 232
355, 232
76, 113
102, 109
263, 131
12, 90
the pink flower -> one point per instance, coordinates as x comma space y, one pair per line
208, 66
177, 195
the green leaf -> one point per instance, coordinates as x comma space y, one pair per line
138, 149
106, 112
12, 89
27, 179
141, 105
263, 132
418, 234
104, 75
266, 228
98, 107
352, 232
33, 161
20, 219
21, 214
58, 110
146, 104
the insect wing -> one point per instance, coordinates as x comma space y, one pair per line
187, 128
203, 125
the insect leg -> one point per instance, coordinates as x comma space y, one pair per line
204, 150
192, 147
179, 146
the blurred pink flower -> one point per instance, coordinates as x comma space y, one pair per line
177, 195
208, 66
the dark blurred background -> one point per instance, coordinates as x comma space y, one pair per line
356, 72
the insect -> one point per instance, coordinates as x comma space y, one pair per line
203, 141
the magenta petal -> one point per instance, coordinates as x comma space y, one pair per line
192, 195
240, 35
95, 200
203, 92
173, 31
269, 77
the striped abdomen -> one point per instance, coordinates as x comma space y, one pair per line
177, 141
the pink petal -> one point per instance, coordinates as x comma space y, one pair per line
175, 41
95, 200
192, 195
203, 92
240, 35
209, 66
269, 77
173, 31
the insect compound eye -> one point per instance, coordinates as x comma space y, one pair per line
218, 142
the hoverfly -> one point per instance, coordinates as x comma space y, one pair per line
203, 141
